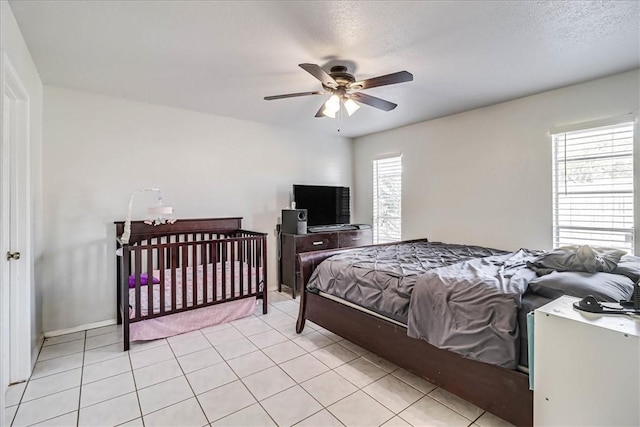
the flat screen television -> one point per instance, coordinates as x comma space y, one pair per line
325, 205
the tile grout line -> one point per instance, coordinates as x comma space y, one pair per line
454, 410
259, 402
25, 387
451, 409
478, 417
247, 337
184, 375
67, 355
315, 413
296, 383
256, 399
135, 386
49, 419
275, 364
404, 420
357, 387
385, 406
223, 360
81, 375
82, 383
240, 378
60, 391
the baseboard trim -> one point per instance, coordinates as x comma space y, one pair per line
80, 328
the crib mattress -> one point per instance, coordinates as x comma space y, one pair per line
250, 276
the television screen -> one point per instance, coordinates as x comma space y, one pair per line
325, 205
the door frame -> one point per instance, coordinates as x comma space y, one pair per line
15, 224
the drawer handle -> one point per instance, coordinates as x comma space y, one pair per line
320, 242
355, 238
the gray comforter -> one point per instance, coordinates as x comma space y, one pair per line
381, 278
471, 307
457, 297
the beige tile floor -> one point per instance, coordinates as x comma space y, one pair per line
254, 371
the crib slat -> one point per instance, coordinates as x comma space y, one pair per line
263, 263
243, 245
214, 261
255, 263
183, 265
174, 261
149, 280
161, 255
233, 268
137, 269
205, 272
253, 278
223, 264
167, 254
194, 272
264, 274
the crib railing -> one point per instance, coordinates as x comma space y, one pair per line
238, 270
194, 263
211, 264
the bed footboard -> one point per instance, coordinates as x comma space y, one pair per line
308, 262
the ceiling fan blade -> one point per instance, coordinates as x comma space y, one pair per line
389, 79
319, 113
293, 95
373, 101
319, 74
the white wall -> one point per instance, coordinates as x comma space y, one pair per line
99, 149
13, 44
484, 176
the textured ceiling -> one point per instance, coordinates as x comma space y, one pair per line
224, 57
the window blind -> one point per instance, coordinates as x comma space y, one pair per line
387, 196
593, 187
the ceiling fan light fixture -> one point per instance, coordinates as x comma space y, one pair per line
329, 113
332, 104
351, 106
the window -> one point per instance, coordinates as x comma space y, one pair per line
387, 190
593, 187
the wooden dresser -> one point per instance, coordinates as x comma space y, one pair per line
292, 244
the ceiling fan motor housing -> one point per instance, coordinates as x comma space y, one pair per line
340, 75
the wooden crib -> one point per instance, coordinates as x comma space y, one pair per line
171, 269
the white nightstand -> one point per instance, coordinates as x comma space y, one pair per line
587, 367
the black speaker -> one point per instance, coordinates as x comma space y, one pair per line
294, 221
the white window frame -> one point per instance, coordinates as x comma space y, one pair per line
558, 138
387, 228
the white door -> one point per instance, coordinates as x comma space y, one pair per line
15, 240
5, 273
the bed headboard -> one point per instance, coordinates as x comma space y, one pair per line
141, 231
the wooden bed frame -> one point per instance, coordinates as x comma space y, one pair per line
188, 243
503, 392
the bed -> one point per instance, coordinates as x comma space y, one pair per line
175, 278
455, 314
381, 327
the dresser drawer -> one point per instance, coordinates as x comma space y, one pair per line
355, 238
316, 242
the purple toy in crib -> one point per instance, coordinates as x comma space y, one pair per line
144, 279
